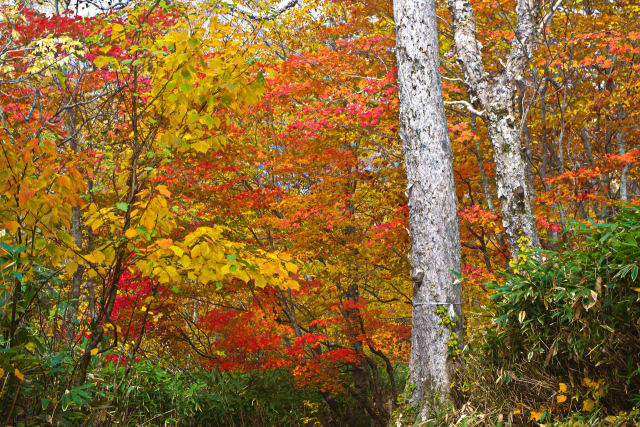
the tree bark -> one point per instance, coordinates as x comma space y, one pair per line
495, 96
433, 216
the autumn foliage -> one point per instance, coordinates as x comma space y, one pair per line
184, 185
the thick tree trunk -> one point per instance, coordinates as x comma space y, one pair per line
433, 216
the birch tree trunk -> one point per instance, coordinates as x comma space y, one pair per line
433, 215
495, 96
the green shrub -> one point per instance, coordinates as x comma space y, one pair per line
152, 395
576, 315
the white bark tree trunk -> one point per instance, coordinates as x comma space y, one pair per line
495, 96
433, 215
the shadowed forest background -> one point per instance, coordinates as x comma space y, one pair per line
204, 218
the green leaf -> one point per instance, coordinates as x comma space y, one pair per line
122, 206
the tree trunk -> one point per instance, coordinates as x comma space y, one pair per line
71, 311
511, 179
433, 216
485, 181
495, 95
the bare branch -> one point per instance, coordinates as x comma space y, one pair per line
467, 105
269, 15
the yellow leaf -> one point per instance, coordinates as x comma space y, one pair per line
1, 372
12, 226
176, 250
260, 281
536, 415
561, 398
130, 233
292, 284
105, 49
101, 61
588, 405
96, 256
270, 268
516, 411
195, 251
72, 267
93, 351
18, 374
115, 29
291, 267
563, 387
162, 189
143, 308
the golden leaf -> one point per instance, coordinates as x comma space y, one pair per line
563, 387
588, 405
18, 374
93, 351
72, 267
176, 250
536, 415
162, 189
101, 61
130, 233
561, 398
292, 284
291, 267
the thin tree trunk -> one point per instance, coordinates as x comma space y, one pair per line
71, 311
485, 181
433, 215
587, 146
624, 174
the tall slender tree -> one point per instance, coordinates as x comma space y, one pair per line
495, 96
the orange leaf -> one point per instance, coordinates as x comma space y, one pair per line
162, 189
18, 374
12, 226
165, 243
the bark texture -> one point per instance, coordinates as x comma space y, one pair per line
494, 95
433, 215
